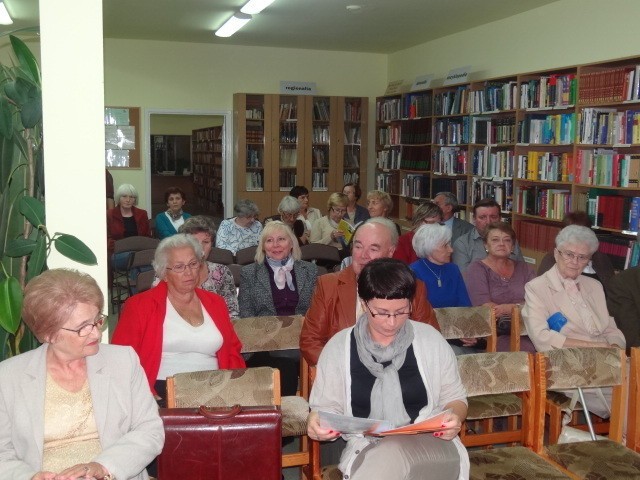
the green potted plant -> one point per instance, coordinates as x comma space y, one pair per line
25, 241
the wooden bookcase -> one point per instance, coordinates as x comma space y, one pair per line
206, 148
541, 143
286, 140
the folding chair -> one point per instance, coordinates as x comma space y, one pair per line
119, 274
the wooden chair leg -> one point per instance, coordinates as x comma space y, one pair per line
555, 422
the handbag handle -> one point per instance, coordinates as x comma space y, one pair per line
223, 412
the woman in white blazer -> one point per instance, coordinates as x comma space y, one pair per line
74, 408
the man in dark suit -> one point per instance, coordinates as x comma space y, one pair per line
335, 306
623, 302
448, 203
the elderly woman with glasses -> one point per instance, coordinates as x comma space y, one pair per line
74, 407
564, 308
241, 231
325, 230
177, 327
426, 213
388, 367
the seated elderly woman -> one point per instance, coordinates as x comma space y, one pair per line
74, 407
168, 223
380, 204
563, 308
426, 213
498, 281
241, 231
176, 327
388, 367
325, 230
288, 213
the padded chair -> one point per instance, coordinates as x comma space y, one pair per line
220, 255
119, 277
140, 260
235, 271
518, 328
327, 256
144, 281
570, 368
246, 256
268, 334
500, 373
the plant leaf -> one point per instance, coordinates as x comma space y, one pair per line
38, 257
18, 90
33, 209
20, 247
26, 59
6, 118
75, 249
31, 112
10, 304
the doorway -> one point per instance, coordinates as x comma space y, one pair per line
177, 157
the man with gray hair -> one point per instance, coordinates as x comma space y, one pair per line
448, 203
335, 305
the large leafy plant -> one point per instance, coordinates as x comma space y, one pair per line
25, 241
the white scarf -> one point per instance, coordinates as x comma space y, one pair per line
282, 272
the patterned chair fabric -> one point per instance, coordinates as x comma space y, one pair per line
513, 463
583, 367
464, 322
599, 460
331, 473
268, 334
295, 411
223, 388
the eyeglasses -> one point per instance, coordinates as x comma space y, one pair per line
570, 256
85, 330
387, 316
181, 267
341, 211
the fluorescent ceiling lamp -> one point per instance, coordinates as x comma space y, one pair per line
255, 6
5, 19
231, 26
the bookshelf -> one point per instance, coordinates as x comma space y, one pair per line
541, 143
286, 140
206, 148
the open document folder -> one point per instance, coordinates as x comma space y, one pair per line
369, 426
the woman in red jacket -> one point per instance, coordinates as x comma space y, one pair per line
126, 220
176, 327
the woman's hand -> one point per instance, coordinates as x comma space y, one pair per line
336, 234
316, 432
83, 471
469, 342
451, 427
44, 476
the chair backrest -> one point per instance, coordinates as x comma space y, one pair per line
319, 251
245, 256
570, 368
142, 258
223, 388
518, 328
144, 280
468, 322
220, 255
133, 244
235, 271
496, 373
267, 334
322, 270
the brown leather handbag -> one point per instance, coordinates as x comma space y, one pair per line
221, 443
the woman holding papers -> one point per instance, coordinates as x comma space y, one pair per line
326, 229
390, 368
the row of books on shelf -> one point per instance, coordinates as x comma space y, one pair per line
606, 168
616, 212
417, 105
321, 110
549, 91
607, 126
496, 96
208, 134
209, 158
623, 252
415, 186
388, 109
548, 129
416, 132
320, 156
350, 177
254, 113
536, 236
455, 186
254, 181
254, 133
500, 191
452, 102
387, 182
451, 131
287, 179
208, 146
288, 133
449, 161
288, 157
389, 159
208, 193
353, 110
493, 131
288, 111
488, 163
543, 202
352, 135
351, 156
320, 134
318, 181
545, 166
611, 85
254, 157
389, 135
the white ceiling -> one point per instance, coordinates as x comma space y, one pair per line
381, 26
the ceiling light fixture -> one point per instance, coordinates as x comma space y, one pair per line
5, 18
255, 6
231, 26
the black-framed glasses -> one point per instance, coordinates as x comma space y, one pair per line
181, 267
570, 256
85, 330
387, 316
340, 211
